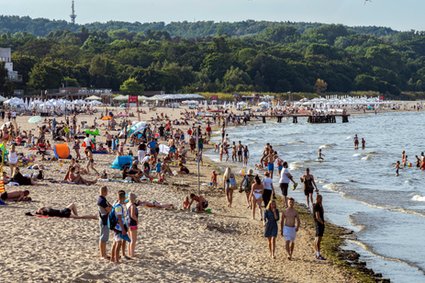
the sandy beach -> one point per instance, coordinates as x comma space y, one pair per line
173, 245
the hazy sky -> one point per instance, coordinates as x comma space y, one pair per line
397, 14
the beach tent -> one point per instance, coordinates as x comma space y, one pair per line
120, 98
62, 151
106, 118
121, 161
93, 97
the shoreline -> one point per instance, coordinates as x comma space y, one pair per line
333, 242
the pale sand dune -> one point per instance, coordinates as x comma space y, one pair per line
173, 245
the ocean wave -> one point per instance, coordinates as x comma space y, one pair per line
369, 249
331, 186
418, 198
367, 157
327, 145
295, 142
357, 154
295, 165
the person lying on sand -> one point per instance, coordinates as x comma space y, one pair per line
68, 212
73, 177
21, 179
16, 196
155, 204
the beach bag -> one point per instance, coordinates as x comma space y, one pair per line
246, 183
112, 218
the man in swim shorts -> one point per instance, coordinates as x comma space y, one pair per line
285, 178
289, 225
104, 208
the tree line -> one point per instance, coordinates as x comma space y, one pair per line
260, 56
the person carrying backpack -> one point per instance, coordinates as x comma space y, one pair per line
116, 222
246, 185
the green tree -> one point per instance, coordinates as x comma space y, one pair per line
132, 87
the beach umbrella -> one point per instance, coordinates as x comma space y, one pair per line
35, 120
93, 97
92, 132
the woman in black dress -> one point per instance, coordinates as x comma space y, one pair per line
271, 217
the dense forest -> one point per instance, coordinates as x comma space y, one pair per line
207, 56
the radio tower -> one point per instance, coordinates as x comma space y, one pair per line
73, 15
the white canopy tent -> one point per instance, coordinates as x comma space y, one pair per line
93, 98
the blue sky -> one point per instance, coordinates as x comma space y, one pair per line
397, 14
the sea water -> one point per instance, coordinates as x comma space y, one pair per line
360, 188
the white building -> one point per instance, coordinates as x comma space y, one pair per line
6, 57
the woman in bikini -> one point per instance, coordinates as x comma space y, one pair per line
256, 197
133, 221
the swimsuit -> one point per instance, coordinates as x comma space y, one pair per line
289, 233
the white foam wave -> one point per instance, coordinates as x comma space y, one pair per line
367, 157
418, 198
331, 187
327, 145
295, 165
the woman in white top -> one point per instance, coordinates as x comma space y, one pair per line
13, 160
268, 188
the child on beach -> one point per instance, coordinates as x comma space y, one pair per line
397, 167
214, 179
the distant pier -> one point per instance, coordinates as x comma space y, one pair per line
313, 119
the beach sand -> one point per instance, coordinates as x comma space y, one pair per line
173, 245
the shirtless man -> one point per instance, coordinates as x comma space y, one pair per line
201, 203
240, 149
289, 225
266, 152
16, 196
309, 186
270, 162
320, 155
234, 150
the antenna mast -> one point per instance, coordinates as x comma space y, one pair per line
73, 15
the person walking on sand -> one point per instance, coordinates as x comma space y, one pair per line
133, 222
256, 196
227, 186
104, 208
309, 186
289, 225
285, 178
319, 220
120, 230
271, 217
246, 185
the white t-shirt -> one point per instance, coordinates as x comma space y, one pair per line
88, 142
267, 182
13, 157
283, 177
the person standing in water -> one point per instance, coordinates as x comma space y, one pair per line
397, 168
309, 186
320, 155
363, 143
356, 142
289, 225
